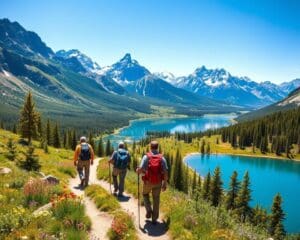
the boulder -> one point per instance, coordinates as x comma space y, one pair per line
5, 170
51, 179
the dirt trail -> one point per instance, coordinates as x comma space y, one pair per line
101, 221
130, 204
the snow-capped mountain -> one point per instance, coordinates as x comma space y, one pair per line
167, 76
87, 63
126, 71
287, 87
220, 84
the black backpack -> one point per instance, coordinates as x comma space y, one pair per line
85, 153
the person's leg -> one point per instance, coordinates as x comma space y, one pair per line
156, 198
146, 191
115, 179
80, 171
122, 176
86, 172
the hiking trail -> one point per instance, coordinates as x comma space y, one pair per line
101, 221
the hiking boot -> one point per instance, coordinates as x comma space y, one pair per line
148, 214
154, 222
120, 195
82, 182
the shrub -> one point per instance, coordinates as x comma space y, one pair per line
37, 190
122, 227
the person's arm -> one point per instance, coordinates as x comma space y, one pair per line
112, 158
92, 154
143, 165
76, 155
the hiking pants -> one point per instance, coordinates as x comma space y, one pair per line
155, 189
119, 186
83, 168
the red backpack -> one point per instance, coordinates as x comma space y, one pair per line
154, 172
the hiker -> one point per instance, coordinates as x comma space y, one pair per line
121, 162
83, 158
155, 170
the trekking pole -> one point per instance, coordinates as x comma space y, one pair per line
138, 176
109, 177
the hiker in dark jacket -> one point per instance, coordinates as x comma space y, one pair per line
121, 162
83, 158
155, 170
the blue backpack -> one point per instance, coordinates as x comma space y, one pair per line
122, 159
85, 153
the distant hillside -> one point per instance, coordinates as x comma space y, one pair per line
290, 102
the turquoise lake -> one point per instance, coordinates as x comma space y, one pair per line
268, 176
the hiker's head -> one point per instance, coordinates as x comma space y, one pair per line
82, 139
154, 145
121, 145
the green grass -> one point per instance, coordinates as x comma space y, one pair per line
22, 193
188, 222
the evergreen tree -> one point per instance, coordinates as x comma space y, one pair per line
65, 140
186, 179
15, 129
194, 182
100, 149
206, 187
279, 233
178, 172
48, 132
91, 140
217, 141
232, 193
216, 189
40, 127
56, 137
108, 148
243, 198
28, 119
12, 150
208, 148
260, 217
1, 124
202, 150
277, 217
45, 147
74, 140
31, 162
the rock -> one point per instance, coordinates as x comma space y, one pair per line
42, 208
51, 179
5, 170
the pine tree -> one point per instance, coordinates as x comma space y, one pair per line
45, 147
243, 198
202, 150
217, 141
56, 137
194, 182
259, 217
15, 129
12, 150
28, 119
31, 162
91, 140
232, 193
65, 140
74, 140
216, 189
100, 149
208, 148
40, 127
1, 124
206, 187
108, 148
48, 133
279, 233
277, 217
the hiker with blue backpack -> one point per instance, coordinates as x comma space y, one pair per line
83, 158
120, 160
154, 169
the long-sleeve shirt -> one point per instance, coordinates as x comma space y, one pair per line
78, 151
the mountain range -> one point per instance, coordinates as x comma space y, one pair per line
68, 82
72, 88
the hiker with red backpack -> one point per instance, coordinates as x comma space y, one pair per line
83, 158
155, 170
121, 162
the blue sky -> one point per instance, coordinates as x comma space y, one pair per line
258, 39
